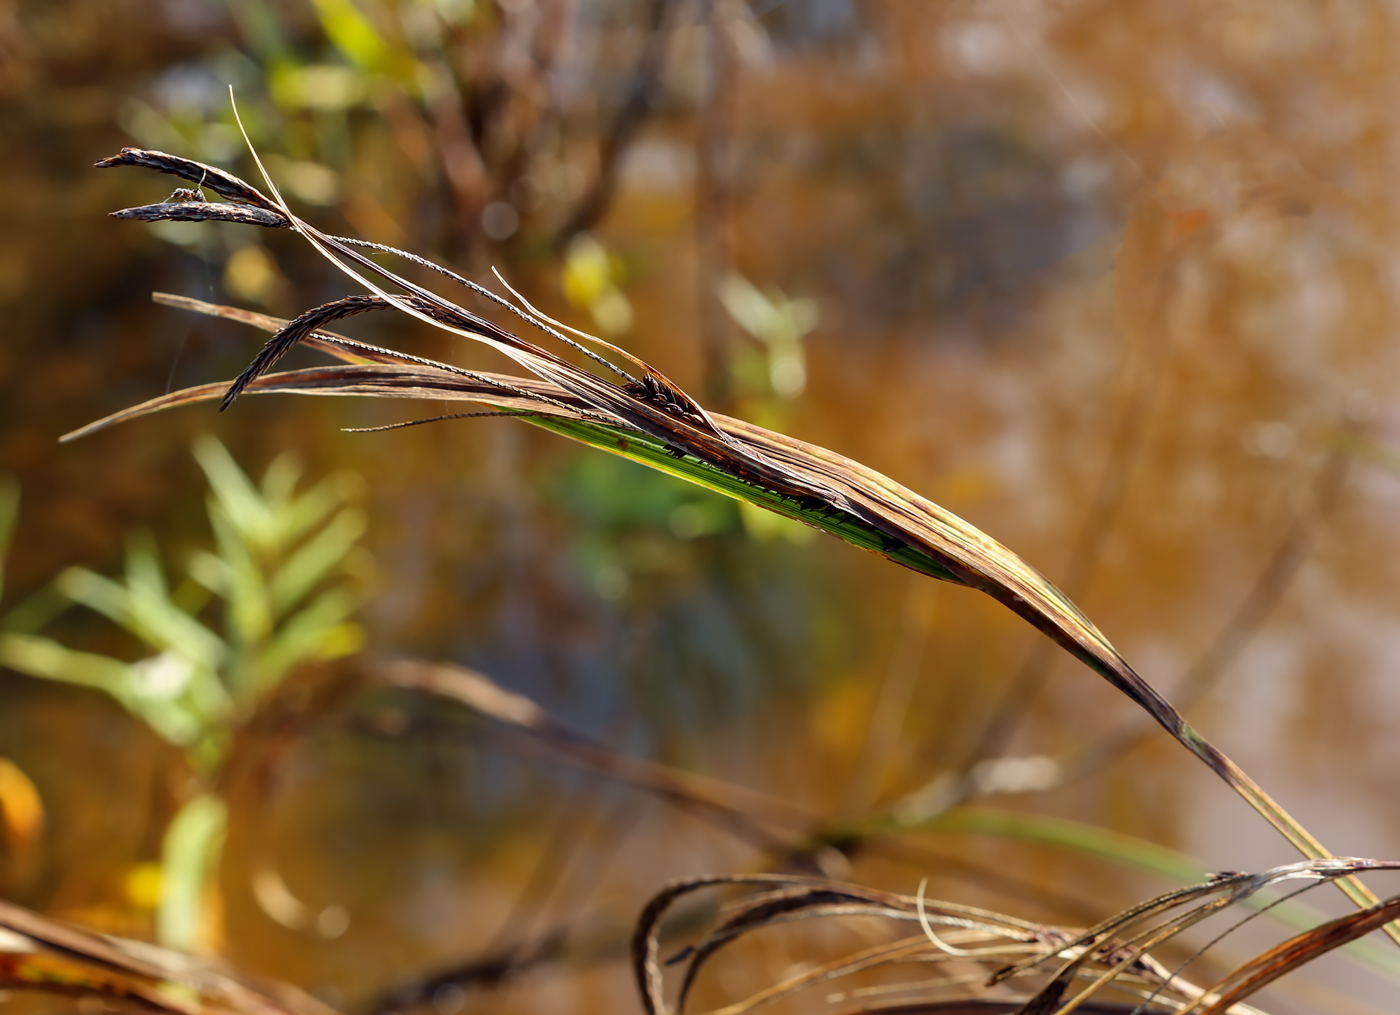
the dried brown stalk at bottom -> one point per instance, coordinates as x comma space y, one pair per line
959, 941
770, 469
42, 954
1268, 967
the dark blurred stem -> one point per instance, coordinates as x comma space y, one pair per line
462, 164
712, 211
887, 716
579, 807
1263, 598
1145, 369
629, 117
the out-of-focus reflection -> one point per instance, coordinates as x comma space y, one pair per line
1113, 281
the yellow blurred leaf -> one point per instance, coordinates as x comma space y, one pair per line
250, 274
342, 640
351, 33
587, 272
143, 885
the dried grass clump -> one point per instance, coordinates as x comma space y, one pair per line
973, 960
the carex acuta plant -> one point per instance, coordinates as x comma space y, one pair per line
620, 404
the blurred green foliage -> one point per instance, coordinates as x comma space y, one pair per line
637, 522
778, 324
592, 279
289, 575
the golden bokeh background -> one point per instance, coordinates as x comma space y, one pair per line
1116, 282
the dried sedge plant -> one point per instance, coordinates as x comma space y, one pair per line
979, 962
624, 406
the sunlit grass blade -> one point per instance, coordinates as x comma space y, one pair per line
423, 382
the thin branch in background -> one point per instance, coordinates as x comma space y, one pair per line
745, 812
530, 949
626, 121
712, 227
1249, 617
578, 808
566, 941
462, 165
586, 868
892, 703
481, 972
1012, 20
1146, 364
567, 875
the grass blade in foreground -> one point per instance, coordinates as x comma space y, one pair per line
653, 421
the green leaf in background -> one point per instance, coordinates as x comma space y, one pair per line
280, 568
316, 559
779, 324
352, 33
189, 857
144, 607
275, 549
244, 507
162, 691
9, 513
313, 633
248, 608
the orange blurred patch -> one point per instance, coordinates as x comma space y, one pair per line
21, 809
840, 718
1184, 223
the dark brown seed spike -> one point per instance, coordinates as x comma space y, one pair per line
278, 345
204, 211
217, 180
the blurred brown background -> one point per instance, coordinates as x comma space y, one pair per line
1113, 281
